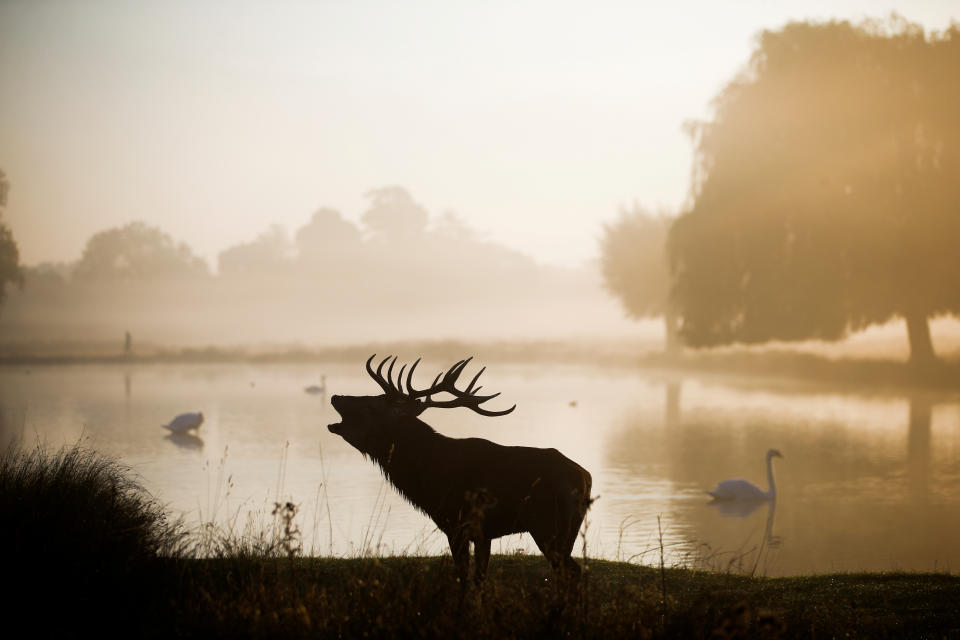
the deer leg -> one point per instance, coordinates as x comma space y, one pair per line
481, 549
460, 549
557, 549
548, 547
570, 566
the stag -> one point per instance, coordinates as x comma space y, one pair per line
475, 490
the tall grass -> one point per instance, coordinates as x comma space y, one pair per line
84, 541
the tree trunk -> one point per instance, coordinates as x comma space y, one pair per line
671, 325
921, 345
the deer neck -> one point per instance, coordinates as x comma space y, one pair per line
397, 453
402, 458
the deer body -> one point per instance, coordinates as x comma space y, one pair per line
475, 490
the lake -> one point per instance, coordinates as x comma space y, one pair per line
867, 482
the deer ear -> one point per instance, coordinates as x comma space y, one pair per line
414, 408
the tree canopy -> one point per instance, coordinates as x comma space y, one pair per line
394, 214
826, 195
328, 238
137, 252
633, 255
266, 256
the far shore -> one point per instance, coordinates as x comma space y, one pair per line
771, 365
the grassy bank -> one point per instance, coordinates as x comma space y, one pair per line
89, 551
417, 597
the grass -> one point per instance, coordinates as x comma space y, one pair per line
81, 534
89, 551
418, 597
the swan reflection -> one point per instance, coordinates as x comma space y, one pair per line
744, 508
738, 508
184, 440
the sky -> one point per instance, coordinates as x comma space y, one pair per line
534, 122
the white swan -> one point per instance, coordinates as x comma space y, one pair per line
315, 389
185, 422
740, 489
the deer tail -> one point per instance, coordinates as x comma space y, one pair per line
585, 499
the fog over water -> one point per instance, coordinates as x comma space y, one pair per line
867, 482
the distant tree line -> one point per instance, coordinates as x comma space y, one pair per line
826, 194
399, 270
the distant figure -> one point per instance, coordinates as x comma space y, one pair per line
316, 389
740, 489
127, 345
185, 422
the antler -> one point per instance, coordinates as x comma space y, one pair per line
387, 383
443, 383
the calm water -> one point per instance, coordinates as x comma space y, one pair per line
867, 482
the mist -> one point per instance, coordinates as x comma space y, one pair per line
402, 274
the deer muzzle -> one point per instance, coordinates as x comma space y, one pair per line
335, 427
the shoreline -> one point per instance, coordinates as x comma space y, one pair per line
770, 365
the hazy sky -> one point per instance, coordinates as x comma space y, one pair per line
533, 121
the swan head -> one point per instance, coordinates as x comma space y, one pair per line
774, 453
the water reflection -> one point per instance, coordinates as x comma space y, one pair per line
864, 488
745, 508
184, 440
918, 446
738, 508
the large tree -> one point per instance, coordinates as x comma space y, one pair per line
10, 271
328, 240
394, 216
268, 256
137, 252
633, 259
826, 191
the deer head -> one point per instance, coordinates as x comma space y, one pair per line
363, 416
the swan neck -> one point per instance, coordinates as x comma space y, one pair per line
772, 491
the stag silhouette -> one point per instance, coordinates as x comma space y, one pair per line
474, 490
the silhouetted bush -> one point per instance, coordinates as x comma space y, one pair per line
85, 543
